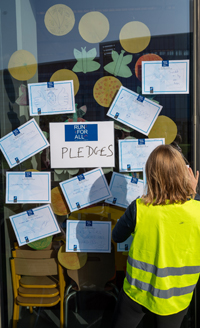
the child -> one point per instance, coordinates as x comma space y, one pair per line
163, 264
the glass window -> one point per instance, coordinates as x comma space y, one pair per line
100, 46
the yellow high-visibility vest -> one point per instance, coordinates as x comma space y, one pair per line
163, 264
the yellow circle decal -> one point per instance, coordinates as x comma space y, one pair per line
93, 27
164, 127
58, 202
134, 37
105, 90
22, 65
59, 19
66, 75
72, 261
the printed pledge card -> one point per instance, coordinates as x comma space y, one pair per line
89, 144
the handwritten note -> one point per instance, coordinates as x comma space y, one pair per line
34, 224
134, 110
165, 77
28, 187
88, 144
22, 143
85, 189
47, 98
133, 153
88, 236
125, 246
124, 189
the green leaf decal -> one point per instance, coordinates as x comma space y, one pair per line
85, 61
119, 65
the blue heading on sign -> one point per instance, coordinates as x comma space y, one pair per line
81, 132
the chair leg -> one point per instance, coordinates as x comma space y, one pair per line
61, 315
15, 315
66, 306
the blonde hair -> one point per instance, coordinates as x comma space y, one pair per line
167, 177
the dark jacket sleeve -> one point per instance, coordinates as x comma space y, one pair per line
126, 224
197, 197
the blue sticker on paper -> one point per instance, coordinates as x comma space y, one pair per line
140, 98
28, 174
128, 167
15, 199
50, 84
29, 212
80, 177
151, 89
78, 205
134, 180
26, 239
75, 247
114, 200
116, 115
39, 110
16, 159
88, 223
81, 132
165, 63
16, 132
141, 141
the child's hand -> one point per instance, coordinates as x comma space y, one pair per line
193, 179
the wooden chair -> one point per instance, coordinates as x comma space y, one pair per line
93, 276
38, 281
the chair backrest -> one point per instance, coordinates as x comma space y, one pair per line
36, 267
98, 270
35, 254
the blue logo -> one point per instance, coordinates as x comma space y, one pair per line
16, 132
116, 115
114, 200
128, 167
165, 63
78, 205
134, 180
151, 89
16, 159
50, 84
80, 177
15, 199
28, 174
140, 98
29, 212
75, 247
81, 132
88, 223
26, 239
39, 110
141, 141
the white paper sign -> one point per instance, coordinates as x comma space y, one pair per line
47, 98
28, 187
87, 144
22, 143
85, 189
124, 189
133, 153
165, 77
34, 224
88, 236
125, 246
134, 110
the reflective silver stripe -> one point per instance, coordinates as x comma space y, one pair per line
159, 292
164, 272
